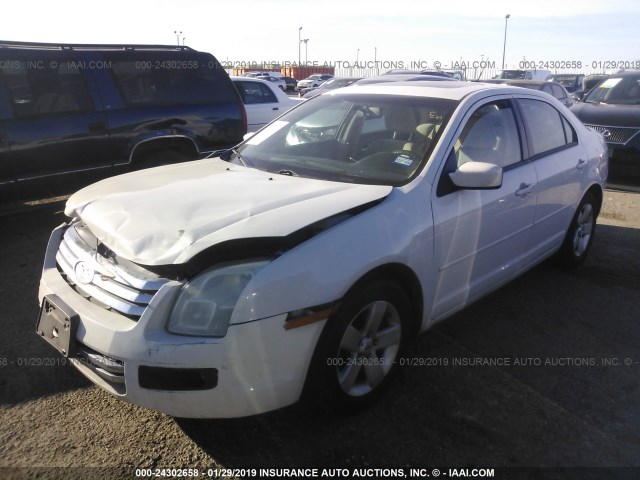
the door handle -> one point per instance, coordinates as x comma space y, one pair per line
525, 189
275, 108
581, 164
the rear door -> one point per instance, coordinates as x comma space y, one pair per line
56, 136
260, 102
481, 236
561, 168
183, 95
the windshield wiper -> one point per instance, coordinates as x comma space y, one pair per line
239, 157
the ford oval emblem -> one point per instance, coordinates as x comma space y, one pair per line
84, 272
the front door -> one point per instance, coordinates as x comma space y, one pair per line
481, 236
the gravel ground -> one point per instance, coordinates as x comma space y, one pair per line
571, 401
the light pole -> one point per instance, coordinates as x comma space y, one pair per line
177, 35
357, 57
504, 46
305, 40
299, 42
375, 58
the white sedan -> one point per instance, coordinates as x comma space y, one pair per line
302, 262
263, 100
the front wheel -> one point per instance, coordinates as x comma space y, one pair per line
579, 238
358, 352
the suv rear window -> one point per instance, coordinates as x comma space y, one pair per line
171, 80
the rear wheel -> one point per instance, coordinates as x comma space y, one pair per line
580, 235
358, 351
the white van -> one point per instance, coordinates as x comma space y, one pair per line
523, 74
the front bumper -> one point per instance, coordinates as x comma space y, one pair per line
260, 365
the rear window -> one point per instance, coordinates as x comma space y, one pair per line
170, 79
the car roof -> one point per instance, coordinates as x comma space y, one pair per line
626, 73
402, 77
251, 79
537, 83
453, 90
521, 82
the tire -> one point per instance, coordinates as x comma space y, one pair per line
579, 238
356, 356
162, 157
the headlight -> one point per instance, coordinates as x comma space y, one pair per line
205, 304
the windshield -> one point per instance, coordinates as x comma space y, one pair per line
355, 138
333, 83
564, 80
616, 91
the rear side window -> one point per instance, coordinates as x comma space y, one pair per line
548, 129
558, 92
255, 92
40, 88
161, 80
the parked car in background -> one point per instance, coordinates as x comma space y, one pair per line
331, 84
71, 114
314, 80
612, 108
552, 88
263, 100
455, 74
263, 74
291, 82
302, 262
570, 81
588, 83
523, 74
277, 81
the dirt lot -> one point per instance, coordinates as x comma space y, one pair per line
568, 397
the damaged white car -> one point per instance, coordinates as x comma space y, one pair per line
303, 261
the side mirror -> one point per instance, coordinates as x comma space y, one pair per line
477, 176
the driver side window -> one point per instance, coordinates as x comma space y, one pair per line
490, 136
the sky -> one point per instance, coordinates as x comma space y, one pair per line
592, 32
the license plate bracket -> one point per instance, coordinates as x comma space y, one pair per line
58, 324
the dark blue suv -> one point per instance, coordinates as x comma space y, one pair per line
72, 114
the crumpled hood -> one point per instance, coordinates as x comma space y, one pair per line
166, 215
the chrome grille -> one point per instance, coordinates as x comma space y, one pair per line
107, 368
619, 135
100, 276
